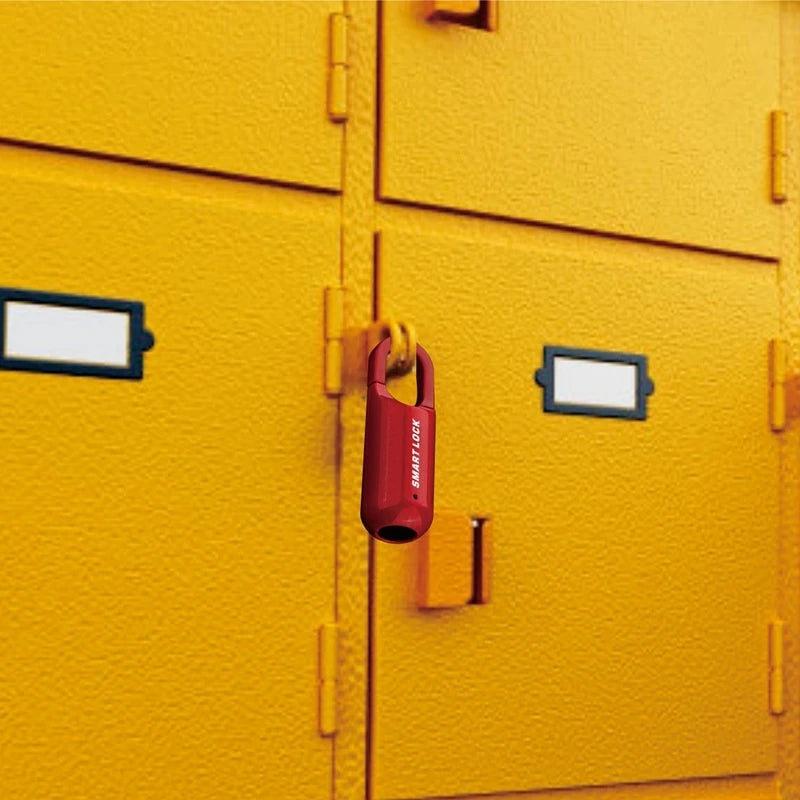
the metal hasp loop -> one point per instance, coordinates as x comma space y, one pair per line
347, 349
403, 337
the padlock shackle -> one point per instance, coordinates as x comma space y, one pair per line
376, 372
424, 378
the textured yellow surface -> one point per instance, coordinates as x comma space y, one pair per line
647, 119
167, 545
238, 87
160, 603
635, 563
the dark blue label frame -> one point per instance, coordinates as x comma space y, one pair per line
545, 377
140, 339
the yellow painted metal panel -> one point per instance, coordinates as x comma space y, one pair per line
634, 570
239, 87
639, 118
168, 546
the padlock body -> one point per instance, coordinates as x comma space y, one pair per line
398, 478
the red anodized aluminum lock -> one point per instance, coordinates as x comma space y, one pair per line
399, 445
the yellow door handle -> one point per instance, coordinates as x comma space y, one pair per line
480, 14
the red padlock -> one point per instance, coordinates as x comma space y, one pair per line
399, 446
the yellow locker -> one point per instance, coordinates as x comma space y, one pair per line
236, 87
645, 119
635, 562
171, 547
168, 543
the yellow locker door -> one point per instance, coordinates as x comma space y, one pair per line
237, 87
645, 119
168, 544
635, 561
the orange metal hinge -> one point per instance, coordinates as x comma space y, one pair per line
333, 337
337, 69
776, 688
779, 123
784, 387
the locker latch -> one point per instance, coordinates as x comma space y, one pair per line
454, 561
480, 14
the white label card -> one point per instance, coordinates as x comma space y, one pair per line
41, 332
602, 384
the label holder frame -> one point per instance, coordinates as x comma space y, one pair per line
140, 340
545, 378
